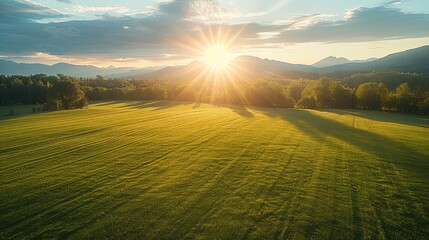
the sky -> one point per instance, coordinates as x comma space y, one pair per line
143, 33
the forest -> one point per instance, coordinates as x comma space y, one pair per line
385, 91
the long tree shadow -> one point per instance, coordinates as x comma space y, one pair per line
241, 110
157, 105
319, 128
388, 117
161, 105
19, 114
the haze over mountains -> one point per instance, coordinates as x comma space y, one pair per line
333, 61
85, 71
414, 60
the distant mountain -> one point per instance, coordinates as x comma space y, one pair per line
133, 72
414, 60
334, 61
268, 67
86, 71
331, 61
242, 66
365, 61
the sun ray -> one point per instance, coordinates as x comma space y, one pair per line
213, 46
217, 57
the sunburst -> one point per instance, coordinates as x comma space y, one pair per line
214, 45
217, 57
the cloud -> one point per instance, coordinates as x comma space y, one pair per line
182, 28
362, 24
394, 2
12, 11
302, 22
195, 10
64, 1
119, 10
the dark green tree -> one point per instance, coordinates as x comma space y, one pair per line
371, 95
66, 95
404, 98
424, 106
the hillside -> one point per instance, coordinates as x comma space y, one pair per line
334, 61
240, 67
414, 60
87, 71
160, 170
331, 61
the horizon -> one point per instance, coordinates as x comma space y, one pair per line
201, 59
176, 32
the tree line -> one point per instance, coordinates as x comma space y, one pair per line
389, 91
54, 92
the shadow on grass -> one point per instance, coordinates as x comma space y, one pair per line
241, 110
161, 105
319, 128
389, 117
157, 105
18, 111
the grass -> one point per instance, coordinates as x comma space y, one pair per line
17, 110
162, 170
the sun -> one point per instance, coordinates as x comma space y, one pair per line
217, 57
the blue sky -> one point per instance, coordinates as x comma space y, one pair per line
154, 33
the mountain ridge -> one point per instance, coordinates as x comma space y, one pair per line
331, 61
86, 71
334, 61
412, 60
273, 69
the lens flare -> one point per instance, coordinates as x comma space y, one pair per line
217, 57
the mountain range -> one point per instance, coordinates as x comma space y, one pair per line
414, 60
333, 61
85, 71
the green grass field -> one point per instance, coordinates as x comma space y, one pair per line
17, 110
159, 170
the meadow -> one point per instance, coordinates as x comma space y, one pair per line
162, 170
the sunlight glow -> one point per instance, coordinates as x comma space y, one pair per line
217, 57
215, 46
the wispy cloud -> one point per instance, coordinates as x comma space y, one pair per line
64, 1
363, 24
116, 9
16, 11
302, 22
394, 2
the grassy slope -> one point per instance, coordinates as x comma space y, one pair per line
162, 170
17, 110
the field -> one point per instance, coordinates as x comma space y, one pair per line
163, 170
17, 110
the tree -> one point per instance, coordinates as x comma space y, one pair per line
404, 97
295, 88
424, 107
322, 93
342, 97
66, 95
116, 94
307, 102
371, 95
4, 99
